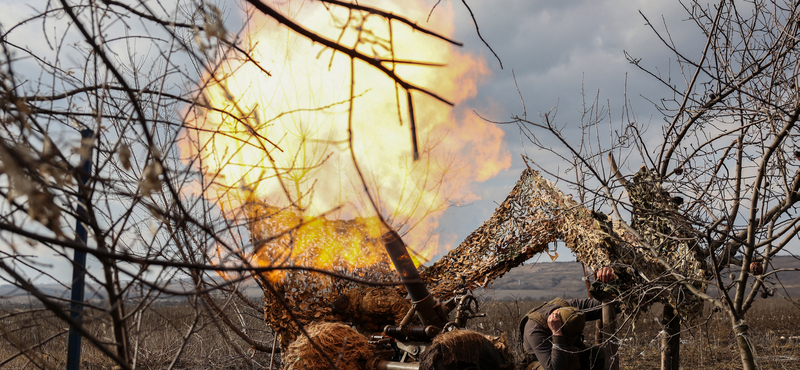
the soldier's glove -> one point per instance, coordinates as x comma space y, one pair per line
604, 291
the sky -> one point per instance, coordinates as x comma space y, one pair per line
556, 50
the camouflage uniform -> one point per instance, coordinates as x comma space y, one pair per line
548, 352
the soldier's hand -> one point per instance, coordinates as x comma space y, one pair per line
554, 322
605, 274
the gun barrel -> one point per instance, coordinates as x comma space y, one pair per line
393, 365
378, 363
426, 307
405, 266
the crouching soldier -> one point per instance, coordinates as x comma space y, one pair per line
552, 334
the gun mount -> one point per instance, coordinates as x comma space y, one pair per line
535, 213
399, 344
430, 312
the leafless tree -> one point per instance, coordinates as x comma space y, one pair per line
729, 155
132, 76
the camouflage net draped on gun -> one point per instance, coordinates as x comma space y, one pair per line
536, 213
283, 237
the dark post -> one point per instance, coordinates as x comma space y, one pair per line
609, 333
79, 260
671, 341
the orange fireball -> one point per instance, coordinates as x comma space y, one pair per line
291, 141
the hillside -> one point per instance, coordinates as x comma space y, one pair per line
538, 280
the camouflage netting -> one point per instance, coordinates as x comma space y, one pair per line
311, 295
656, 219
464, 349
536, 213
339, 343
371, 309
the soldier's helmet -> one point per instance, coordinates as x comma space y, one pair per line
572, 321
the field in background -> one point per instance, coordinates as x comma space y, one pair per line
706, 344
531, 281
190, 335
539, 280
159, 334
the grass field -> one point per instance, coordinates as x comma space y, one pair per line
706, 344
190, 337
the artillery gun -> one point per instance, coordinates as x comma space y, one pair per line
387, 331
400, 347
534, 214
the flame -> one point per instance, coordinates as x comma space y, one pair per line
282, 140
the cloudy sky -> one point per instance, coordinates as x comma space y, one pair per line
556, 50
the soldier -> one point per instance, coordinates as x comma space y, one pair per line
552, 334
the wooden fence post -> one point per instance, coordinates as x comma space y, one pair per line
671, 339
610, 340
